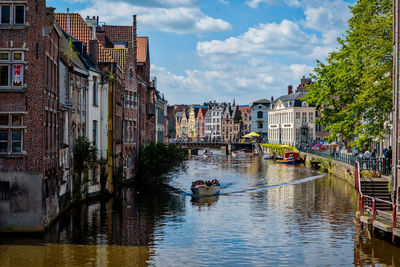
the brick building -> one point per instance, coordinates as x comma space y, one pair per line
29, 145
245, 112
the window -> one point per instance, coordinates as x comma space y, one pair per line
297, 116
11, 71
4, 56
4, 191
19, 18
94, 132
11, 131
317, 127
304, 117
5, 15
259, 124
130, 74
259, 115
12, 14
310, 117
134, 100
95, 102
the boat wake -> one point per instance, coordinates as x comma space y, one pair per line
262, 188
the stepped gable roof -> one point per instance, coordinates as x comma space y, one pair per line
79, 29
180, 108
119, 55
142, 47
120, 34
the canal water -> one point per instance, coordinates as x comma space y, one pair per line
266, 215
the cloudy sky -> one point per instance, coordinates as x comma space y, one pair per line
204, 50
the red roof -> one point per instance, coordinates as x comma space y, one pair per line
77, 27
142, 47
120, 34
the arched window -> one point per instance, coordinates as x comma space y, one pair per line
260, 115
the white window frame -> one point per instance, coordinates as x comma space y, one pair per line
10, 128
15, 13
10, 62
11, 13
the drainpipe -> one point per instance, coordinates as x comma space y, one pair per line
113, 118
396, 101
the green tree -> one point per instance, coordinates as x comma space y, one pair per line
353, 89
85, 156
157, 160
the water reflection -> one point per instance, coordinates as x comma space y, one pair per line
266, 215
204, 201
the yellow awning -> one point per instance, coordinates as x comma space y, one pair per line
252, 134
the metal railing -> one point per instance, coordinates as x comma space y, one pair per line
379, 165
368, 206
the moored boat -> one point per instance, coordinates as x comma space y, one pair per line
290, 158
205, 188
286, 161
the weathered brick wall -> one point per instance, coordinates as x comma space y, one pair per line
337, 168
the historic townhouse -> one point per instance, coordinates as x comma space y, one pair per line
291, 120
105, 124
29, 144
245, 112
230, 123
259, 117
213, 121
200, 121
161, 113
120, 43
171, 123
146, 93
192, 122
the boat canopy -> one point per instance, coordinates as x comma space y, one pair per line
292, 154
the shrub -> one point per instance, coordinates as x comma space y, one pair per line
279, 149
156, 160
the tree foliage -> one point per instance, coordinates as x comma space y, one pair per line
157, 160
353, 89
85, 156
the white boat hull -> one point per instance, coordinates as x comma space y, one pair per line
205, 190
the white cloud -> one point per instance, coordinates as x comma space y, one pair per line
170, 18
225, 2
243, 82
271, 38
255, 3
327, 15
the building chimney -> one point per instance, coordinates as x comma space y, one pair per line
290, 89
68, 20
272, 99
94, 52
134, 33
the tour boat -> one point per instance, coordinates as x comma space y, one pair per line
205, 188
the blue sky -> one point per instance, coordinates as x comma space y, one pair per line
204, 50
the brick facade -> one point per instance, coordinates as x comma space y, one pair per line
30, 170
